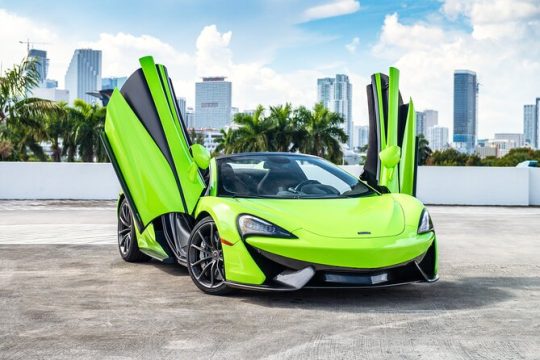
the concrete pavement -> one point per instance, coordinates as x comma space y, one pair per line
65, 293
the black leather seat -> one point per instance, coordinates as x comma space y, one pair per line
279, 178
229, 182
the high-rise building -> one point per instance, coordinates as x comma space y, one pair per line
50, 84
431, 118
362, 133
213, 97
52, 94
181, 101
190, 117
110, 83
465, 110
437, 136
426, 119
516, 139
84, 74
336, 95
420, 128
537, 103
42, 63
531, 124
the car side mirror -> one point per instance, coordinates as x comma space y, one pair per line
201, 156
390, 156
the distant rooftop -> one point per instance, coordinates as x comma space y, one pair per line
470, 72
214, 78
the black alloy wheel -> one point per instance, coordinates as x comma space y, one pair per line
205, 258
127, 238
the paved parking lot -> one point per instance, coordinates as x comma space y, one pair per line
65, 293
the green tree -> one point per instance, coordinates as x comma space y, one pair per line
424, 151
473, 160
60, 127
448, 157
319, 132
196, 138
90, 119
253, 132
517, 155
281, 133
21, 116
227, 141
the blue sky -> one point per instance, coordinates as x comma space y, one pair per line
273, 29
273, 50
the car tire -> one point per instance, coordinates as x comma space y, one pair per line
127, 237
205, 258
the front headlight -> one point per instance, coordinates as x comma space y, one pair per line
251, 225
425, 223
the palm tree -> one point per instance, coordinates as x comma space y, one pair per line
319, 132
21, 116
60, 129
424, 151
280, 136
227, 142
253, 133
90, 119
196, 137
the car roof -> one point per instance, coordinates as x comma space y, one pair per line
264, 153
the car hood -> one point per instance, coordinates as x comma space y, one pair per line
373, 216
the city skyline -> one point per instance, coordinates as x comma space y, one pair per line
334, 93
309, 40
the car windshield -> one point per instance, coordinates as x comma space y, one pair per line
286, 176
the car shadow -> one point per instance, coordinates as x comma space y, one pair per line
463, 293
171, 269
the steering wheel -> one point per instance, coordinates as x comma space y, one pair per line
298, 188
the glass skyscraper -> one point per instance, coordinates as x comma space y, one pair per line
465, 110
426, 119
111, 83
181, 101
437, 137
84, 75
530, 124
213, 97
42, 64
336, 95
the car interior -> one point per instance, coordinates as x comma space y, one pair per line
275, 176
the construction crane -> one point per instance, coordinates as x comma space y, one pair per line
30, 43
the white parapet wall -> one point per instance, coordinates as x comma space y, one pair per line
48, 180
445, 185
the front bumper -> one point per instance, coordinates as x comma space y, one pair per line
287, 274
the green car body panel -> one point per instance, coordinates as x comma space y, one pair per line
395, 125
151, 183
341, 249
155, 163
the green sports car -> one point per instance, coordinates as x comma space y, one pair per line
267, 221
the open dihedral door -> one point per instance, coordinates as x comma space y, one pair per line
149, 147
392, 146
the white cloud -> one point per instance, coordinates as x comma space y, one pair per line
121, 52
331, 9
353, 45
14, 28
497, 19
214, 57
505, 57
253, 82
